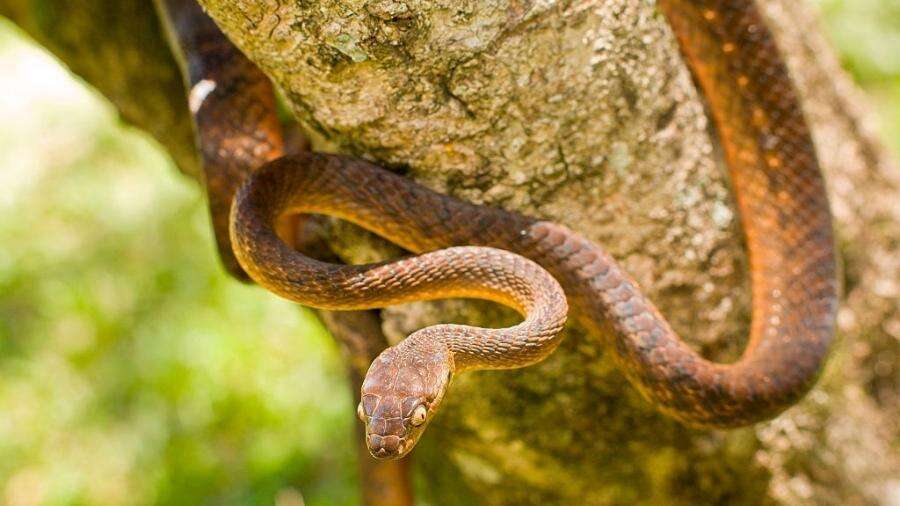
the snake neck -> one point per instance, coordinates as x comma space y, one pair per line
317, 184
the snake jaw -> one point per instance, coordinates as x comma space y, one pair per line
389, 436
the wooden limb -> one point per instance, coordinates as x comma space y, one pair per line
359, 333
361, 339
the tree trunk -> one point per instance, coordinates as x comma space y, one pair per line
118, 47
584, 113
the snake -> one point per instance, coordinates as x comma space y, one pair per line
460, 249
232, 104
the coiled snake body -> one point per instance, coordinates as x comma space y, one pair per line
783, 207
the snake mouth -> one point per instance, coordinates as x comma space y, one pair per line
386, 447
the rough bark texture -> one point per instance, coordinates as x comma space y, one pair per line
583, 112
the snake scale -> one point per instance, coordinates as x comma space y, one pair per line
465, 250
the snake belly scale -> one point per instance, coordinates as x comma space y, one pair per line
467, 250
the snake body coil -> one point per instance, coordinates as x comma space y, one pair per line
784, 212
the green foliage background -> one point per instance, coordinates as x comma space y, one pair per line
133, 370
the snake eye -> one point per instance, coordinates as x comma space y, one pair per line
361, 413
418, 415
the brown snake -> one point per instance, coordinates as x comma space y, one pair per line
784, 211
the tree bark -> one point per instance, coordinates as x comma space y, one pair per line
583, 112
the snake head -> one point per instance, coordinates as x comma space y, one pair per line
401, 392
